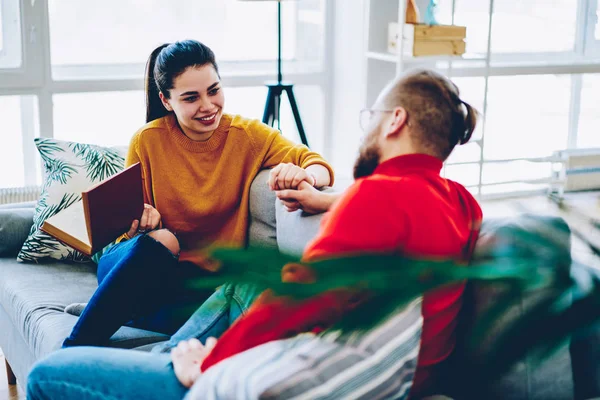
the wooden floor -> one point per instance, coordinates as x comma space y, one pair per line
586, 203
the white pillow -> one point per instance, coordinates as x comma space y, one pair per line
70, 168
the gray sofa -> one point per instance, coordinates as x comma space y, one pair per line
33, 296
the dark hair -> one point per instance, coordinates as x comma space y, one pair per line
166, 63
439, 117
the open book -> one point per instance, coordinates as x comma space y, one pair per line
105, 212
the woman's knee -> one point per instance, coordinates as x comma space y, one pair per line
167, 239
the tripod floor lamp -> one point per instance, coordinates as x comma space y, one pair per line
279, 87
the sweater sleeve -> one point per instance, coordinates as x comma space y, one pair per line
276, 149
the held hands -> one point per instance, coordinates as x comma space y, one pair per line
306, 198
187, 358
289, 176
149, 221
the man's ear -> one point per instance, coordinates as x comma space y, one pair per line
398, 120
165, 101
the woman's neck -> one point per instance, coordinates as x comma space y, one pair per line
195, 136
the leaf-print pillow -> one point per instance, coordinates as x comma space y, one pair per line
70, 169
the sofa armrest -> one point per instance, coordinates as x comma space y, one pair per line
261, 229
15, 223
296, 229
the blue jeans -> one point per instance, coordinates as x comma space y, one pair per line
101, 373
215, 316
93, 373
141, 284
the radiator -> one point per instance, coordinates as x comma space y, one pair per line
580, 169
19, 195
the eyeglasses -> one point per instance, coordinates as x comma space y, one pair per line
366, 115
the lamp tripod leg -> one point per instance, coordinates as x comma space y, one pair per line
268, 113
294, 105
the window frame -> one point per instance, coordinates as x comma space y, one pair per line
34, 76
584, 58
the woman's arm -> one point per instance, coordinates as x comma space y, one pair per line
320, 175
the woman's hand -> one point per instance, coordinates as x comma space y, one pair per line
289, 176
187, 358
149, 221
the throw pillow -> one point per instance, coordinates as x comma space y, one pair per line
70, 168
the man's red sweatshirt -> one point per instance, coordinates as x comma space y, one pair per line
406, 208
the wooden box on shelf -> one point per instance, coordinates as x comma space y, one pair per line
428, 40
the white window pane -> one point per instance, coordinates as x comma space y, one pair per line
310, 101
518, 26
527, 116
466, 153
533, 26
106, 119
111, 118
470, 13
10, 34
126, 31
515, 171
250, 102
597, 30
589, 118
509, 188
467, 175
17, 153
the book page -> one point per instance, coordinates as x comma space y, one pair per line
71, 222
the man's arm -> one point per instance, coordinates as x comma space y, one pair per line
308, 199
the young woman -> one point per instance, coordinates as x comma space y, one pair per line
197, 164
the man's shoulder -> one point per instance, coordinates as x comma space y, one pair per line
378, 182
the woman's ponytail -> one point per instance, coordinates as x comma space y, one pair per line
154, 107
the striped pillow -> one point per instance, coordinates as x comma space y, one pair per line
377, 364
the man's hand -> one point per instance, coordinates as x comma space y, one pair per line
289, 176
149, 221
187, 358
306, 198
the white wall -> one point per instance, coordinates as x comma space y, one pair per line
348, 84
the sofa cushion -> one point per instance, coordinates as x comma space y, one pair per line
15, 224
373, 364
545, 241
35, 297
261, 231
70, 169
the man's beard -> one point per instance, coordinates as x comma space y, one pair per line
367, 161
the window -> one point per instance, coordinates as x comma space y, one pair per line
10, 35
123, 40
18, 153
531, 26
539, 91
96, 55
527, 116
103, 118
250, 102
589, 117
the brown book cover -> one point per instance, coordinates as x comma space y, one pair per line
105, 212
